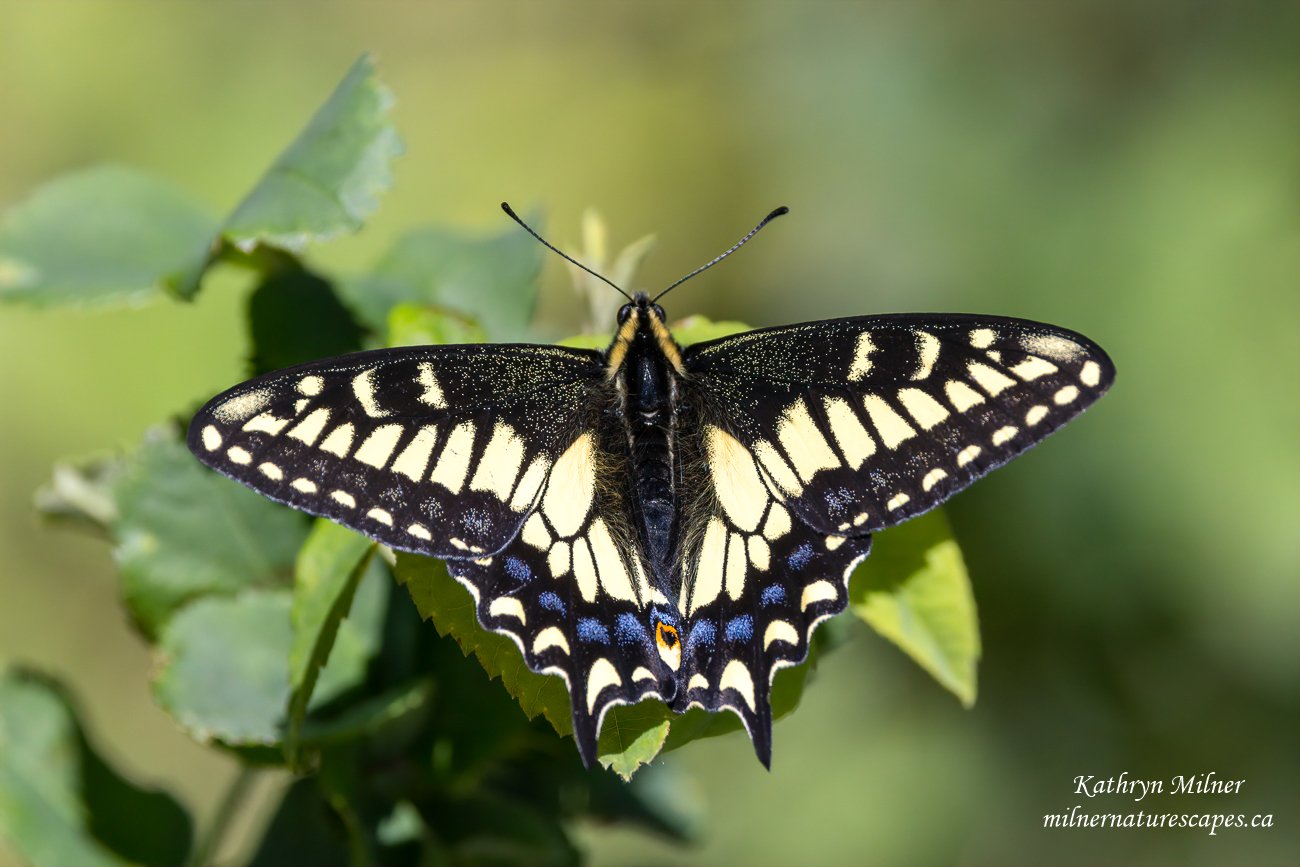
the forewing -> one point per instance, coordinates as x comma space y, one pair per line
439, 450
572, 591
859, 424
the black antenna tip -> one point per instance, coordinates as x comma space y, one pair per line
505, 206
779, 212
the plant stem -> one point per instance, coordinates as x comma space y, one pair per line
210, 840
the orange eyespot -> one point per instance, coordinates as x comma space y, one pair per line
666, 635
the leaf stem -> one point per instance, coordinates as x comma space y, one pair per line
210, 841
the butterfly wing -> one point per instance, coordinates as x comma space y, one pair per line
757, 583
487, 456
572, 590
816, 435
440, 450
859, 424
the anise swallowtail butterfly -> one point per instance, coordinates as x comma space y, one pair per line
652, 520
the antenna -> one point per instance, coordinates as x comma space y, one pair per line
707, 265
505, 206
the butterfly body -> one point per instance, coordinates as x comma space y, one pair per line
652, 521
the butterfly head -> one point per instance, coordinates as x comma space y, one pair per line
642, 308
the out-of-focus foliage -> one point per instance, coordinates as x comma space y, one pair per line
1123, 168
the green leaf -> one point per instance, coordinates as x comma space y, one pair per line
492, 280
914, 590
225, 668
329, 179
106, 235
329, 566
698, 329
224, 672
295, 317
416, 325
60, 803
185, 532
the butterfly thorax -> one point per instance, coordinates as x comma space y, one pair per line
644, 365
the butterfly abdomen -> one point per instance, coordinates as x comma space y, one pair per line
648, 388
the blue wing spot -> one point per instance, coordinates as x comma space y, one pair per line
628, 630
801, 556
773, 594
551, 602
703, 632
518, 570
590, 630
740, 628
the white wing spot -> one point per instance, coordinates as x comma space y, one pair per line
453, 462
414, 459
862, 357
526, 491
961, 395
1004, 434
432, 395
339, 440
817, 591
737, 565
306, 486
550, 637
343, 498
239, 408
927, 411
898, 501
1033, 367
1035, 415
760, 555
307, 430
379, 446
1066, 395
239, 455
508, 606
266, 423
780, 630
211, 438
740, 491
777, 523
982, 338
641, 673
1052, 346
889, 424
804, 443
311, 385
572, 485
271, 471
709, 566
500, 464
614, 577
992, 381
381, 516
363, 386
1090, 375
777, 469
558, 560
855, 443
736, 676
601, 676
968, 454
535, 533
697, 681
933, 478
834, 542
419, 531
927, 348
584, 570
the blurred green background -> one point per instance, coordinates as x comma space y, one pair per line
1127, 170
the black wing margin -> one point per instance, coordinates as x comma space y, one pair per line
859, 424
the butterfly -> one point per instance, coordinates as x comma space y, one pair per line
653, 521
